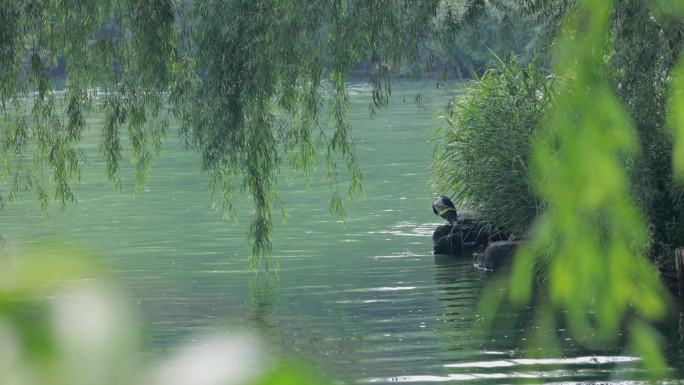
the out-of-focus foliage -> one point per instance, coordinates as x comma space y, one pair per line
644, 42
642, 53
482, 155
603, 163
591, 239
59, 326
61, 322
638, 61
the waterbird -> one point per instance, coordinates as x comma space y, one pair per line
445, 209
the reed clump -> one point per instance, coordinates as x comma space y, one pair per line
482, 151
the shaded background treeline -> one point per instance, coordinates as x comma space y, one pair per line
465, 48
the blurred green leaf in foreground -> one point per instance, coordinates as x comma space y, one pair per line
63, 323
589, 244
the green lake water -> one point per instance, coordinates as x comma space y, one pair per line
363, 302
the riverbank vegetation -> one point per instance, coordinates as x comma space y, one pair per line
483, 153
600, 158
478, 148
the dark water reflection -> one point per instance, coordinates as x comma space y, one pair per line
681, 328
262, 295
364, 301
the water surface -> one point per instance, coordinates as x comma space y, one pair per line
364, 301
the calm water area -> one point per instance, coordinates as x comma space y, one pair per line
364, 301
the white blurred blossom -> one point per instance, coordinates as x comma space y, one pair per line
214, 360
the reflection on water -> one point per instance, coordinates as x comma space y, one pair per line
364, 301
262, 295
598, 360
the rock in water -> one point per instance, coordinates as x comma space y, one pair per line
454, 239
447, 240
498, 254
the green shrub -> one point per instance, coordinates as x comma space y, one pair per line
482, 153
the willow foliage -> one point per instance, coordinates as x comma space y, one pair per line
117, 58
265, 77
252, 84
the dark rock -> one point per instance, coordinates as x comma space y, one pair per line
498, 254
499, 235
443, 231
455, 239
447, 240
473, 234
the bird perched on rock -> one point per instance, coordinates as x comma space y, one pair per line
445, 209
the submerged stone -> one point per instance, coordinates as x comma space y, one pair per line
457, 238
498, 254
447, 240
